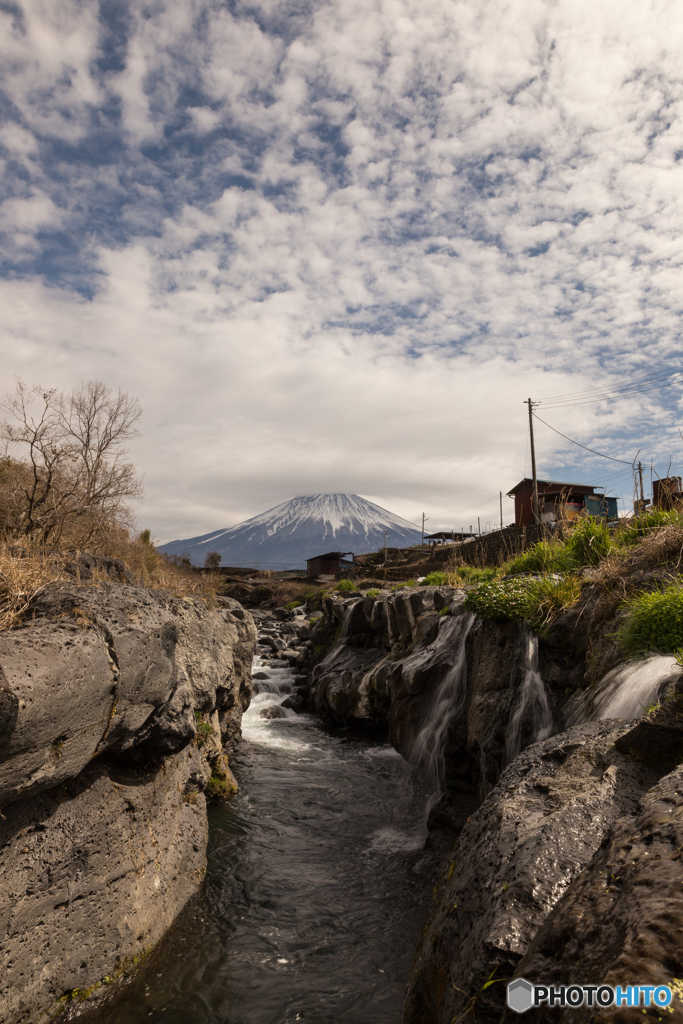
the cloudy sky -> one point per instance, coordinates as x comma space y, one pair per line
333, 245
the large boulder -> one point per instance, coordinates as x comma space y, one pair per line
93, 874
621, 921
115, 668
515, 858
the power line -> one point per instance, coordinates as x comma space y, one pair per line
610, 395
467, 508
618, 386
610, 457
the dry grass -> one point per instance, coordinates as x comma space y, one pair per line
659, 548
622, 573
25, 572
152, 570
22, 578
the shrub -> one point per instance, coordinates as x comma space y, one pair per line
538, 601
344, 585
499, 599
204, 730
217, 788
654, 622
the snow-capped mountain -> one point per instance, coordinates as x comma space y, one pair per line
285, 536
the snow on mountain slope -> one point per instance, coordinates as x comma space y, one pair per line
299, 529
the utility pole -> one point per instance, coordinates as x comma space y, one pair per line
642, 496
478, 526
422, 542
385, 547
501, 510
533, 459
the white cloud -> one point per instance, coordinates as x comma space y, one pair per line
454, 206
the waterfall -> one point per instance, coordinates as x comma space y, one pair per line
429, 747
532, 707
625, 692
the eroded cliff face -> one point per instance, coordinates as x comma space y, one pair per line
394, 659
115, 705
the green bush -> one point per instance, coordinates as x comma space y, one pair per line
654, 622
641, 526
539, 601
217, 788
499, 599
588, 543
344, 585
434, 579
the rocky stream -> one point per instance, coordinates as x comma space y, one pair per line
426, 801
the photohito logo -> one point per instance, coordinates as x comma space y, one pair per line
522, 995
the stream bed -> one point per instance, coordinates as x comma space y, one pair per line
317, 886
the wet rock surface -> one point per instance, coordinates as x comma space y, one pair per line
115, 706
516, 856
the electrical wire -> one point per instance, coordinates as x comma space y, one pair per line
620, 385
610, 394
610, 457
433, 515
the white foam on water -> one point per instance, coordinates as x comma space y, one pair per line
387, 751
392, 840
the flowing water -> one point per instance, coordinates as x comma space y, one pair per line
429, 748
316, 890
625, 692
532, 715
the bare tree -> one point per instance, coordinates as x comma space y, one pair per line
212, 560
74, 470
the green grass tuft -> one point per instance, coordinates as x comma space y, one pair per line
654, 622
642, 525
435, 579
345, 585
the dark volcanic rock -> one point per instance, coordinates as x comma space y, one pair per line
273, 711
103, 828
515, 858
93, 874
115, 668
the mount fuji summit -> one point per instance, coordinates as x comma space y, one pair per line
301, 528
